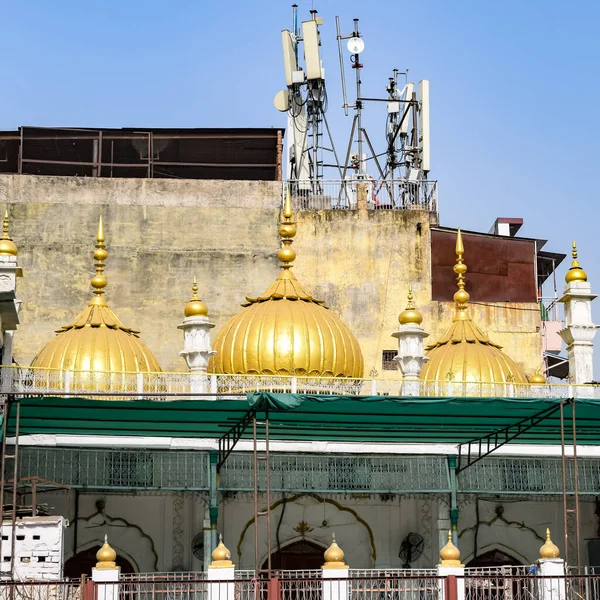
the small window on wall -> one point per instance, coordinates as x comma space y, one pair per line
387, 360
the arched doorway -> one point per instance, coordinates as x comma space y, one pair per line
494, 558
298, 556
82, 563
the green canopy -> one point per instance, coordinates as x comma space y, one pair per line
304, 417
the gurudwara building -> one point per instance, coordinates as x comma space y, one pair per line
281, 430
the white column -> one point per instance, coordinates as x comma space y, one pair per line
335, 590
451, 565
411, 356
221, 571
552, 579
197, 351
106, 580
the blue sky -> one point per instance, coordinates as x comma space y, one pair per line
514, 88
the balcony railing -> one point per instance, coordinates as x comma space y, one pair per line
354, 192
170, 386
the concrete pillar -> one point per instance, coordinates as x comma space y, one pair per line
221, 574
335, 568
579, 331
106, 574
451, 572
551, 570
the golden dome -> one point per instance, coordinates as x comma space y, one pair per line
464, 353
410, 314
575, 273
285, 331
549, 549
450, 554
106, 556
97, 340
7, 246
537, 379
221, 557
195, 307
334, 556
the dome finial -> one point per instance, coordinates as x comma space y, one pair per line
221, 557
100, 254
461, 297
575, 273
334, 556
7, 246
410, 314
549, 549
195, 307
106, 556
450, 554
287, 231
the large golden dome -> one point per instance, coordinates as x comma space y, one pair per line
464, 353
286, 331
97, 340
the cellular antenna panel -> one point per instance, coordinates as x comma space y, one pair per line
312, 58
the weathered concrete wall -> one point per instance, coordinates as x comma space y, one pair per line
160, 233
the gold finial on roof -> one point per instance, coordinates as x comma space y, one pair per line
410, 314
334, 556
7, 246
221, 557
549, 549
450, 554
287, 231
575, 273
461, 297
195, 307
536, 378
106, 556
100, 254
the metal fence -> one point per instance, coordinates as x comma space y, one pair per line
349, 194
169, 386
41, 590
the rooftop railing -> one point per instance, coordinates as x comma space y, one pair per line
171, 386
354, 192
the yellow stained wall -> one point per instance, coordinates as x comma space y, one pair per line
160, 233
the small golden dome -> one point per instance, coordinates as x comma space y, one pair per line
106, 556
464, 353
7, 246
97, 341
334, 556
575, 273
285, 331
221, 557
450, 554
195, 307
549, 549
537, 379
410, 314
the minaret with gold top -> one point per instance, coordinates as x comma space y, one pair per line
411, 356
9, 271
197, 350
579, 331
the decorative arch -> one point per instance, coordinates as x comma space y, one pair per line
495, 555
298, 554
337, 505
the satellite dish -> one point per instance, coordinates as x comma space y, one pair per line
282, 101
355, 45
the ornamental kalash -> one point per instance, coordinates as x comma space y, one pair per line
461, 439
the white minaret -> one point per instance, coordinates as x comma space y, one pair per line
411, 355
196, 341
579, 330
9, 309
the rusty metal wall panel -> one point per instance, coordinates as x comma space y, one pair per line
501, 269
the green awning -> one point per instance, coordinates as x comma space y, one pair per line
303, 417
